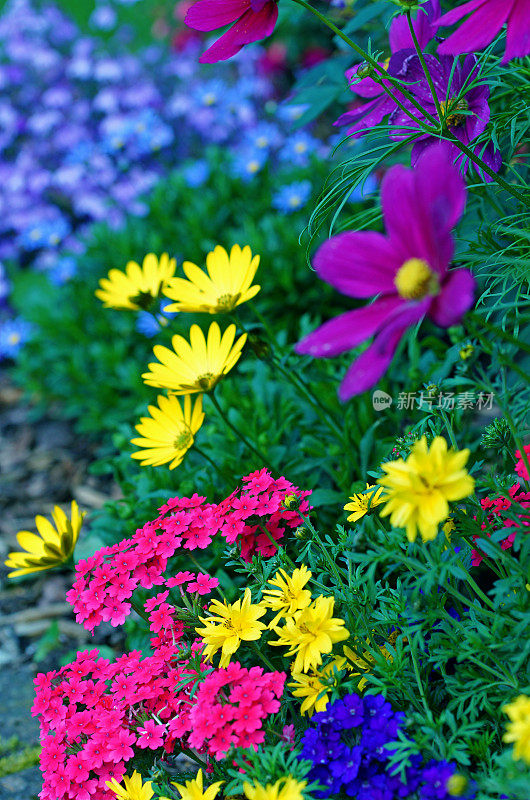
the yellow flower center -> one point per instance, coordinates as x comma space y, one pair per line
183, 440
13, 338
207, 381
415, 280
450, 113
226, 302
300, 147
253, 166
295, 201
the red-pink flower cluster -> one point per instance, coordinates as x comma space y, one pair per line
230, 707
520, 467
93, 713
255, 516
497, 520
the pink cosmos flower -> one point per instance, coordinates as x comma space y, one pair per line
408, 269
486, 18
253, 20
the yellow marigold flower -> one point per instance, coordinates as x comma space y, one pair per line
418, 489
310, 633
51, 547
518, 729
193, 790
169, 432
227, 284
229, 625
134, 788
284, 789
363, 502
197, 366
290, 596
139, 286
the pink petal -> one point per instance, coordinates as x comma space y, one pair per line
518, 36
454, 300
479, 30
421, 206
457, 13
208, 15
372, 364
349, 330
359, 264
249, 28
425, 23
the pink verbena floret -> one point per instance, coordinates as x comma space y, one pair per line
496, 519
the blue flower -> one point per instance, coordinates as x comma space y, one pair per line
196, 173
248, 163
298, 148
147, 324
291, 197
14, 333
62, 270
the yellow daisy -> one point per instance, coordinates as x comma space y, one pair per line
229, 625
139, 286
51, 547
419, 489
310, 633
169, 432
134, 788
193, 790
227, 284
197, 365
313, 688
289, 595
518, 729
284, 789
363, 502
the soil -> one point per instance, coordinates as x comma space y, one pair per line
42, 463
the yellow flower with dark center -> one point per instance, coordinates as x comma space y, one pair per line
227, 284
363, 502
518, 729
139, 286
194, 790
197, 365
314, 688
229, 625
51, 547
289, 596
418, 490
134, 788
169, 432
310, 633
284, 789
415, 280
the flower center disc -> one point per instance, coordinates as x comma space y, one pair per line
415, 280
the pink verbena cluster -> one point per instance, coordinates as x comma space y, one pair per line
229, 710
255, 516
520, 467
496, 519
93, 713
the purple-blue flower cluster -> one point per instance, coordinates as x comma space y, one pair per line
350, 754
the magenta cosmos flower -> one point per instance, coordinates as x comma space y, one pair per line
486, 18
408, 269
253, 20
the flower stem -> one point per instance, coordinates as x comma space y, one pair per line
424, 68
238, 433
212, 462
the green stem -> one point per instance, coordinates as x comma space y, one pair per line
238, 433
212, 462
322, 412
449, 428
263, 657
478, 591
418, 680
139, 610
424, 67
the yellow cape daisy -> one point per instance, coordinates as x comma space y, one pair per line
289, 594
193, 790
419, 489
134, 788
229, 625
518, 729
169, 432
227, 284
284, 789
52, 546
363, 502
311, 633
139, 286
197, 365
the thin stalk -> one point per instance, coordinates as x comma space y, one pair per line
478, 591
449, 428
322, 412
140, 611
418, 680
425, 70
210, 461
238, 433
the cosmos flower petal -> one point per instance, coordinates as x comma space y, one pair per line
454, 299
359, 264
